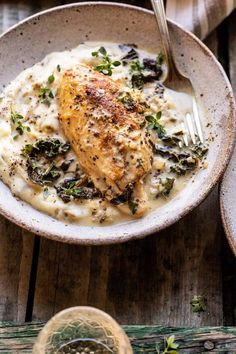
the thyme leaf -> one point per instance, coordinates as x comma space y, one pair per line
51, 79
198, 303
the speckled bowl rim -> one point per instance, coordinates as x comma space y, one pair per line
118, 237
224, 216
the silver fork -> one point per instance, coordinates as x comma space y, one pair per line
176, 81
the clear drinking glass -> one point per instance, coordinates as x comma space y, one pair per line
82, 330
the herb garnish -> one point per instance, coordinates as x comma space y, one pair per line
51, 79
17, 121
198, 303
107, 64
137, 77
127, 101
169, 346
46, 95
153, 123
58, 68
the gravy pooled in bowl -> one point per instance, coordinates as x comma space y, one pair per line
91, 136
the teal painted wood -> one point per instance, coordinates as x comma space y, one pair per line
19, 338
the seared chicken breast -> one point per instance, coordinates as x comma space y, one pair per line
106, 126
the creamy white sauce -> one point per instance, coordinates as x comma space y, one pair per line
21, 96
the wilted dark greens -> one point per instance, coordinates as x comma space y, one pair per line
127, 197
127, 101
142, 72
40, 162
77, 188
166, 184
185, 160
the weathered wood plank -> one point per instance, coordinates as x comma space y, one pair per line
15, 264
144, 339
147, 281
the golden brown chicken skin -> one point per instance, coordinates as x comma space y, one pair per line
107, 130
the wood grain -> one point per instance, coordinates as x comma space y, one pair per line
144, 339
148, 281
15, 266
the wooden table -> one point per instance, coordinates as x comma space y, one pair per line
150, 281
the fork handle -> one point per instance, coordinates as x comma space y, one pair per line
159, 10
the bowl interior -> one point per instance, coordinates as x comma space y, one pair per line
29, 42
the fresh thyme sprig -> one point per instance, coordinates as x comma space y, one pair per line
153, 123
107, 64
16, 119
45, 93
169, 346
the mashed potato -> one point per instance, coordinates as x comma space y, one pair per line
38, 164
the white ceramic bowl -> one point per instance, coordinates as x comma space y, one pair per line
65, 27
228, 202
